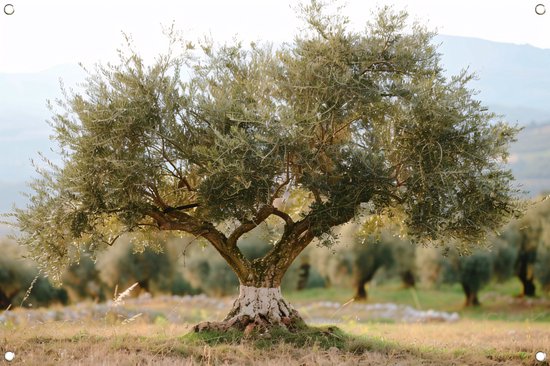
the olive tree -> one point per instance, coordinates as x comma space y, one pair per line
529, 237
211, 141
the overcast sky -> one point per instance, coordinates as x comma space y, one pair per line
41, 34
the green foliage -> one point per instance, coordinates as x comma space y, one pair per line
335, 266
473, 271
82, 281
210, 274
293, 277
526, 242
536, 226
181, 286
154, 271
542, 268
157, 272
397, 256
20, 282
354, 119
372, 254
504, 257
362, 257
520, 249
476, 270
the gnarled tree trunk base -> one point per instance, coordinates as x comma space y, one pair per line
257, 309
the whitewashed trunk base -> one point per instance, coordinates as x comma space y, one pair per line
256, 307
266, 303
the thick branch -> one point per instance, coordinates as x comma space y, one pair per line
180, 221
180, 208
298, 237
159, 201
260, 217
284, 216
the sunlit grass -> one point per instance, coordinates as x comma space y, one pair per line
504, 329
498, 300
465, 342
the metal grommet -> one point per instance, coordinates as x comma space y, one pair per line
540, 356
540, 9
9, 356
9, 9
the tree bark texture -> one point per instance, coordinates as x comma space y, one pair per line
362, 280
407, 277
256, 308
471, 296
527, 278
260, 303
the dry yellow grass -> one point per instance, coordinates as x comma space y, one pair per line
129, 338
501, 341
139, 343
146, 344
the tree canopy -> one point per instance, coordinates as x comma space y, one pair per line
216, 139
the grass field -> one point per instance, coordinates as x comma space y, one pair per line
505, 330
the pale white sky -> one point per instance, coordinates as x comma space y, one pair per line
41, 34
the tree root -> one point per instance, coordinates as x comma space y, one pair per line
247, 324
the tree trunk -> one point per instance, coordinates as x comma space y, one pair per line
407, 277
361, 291
525, 268
5, 300
526, 276
362, 279
471, 296
257, 308
528, 287
260, 305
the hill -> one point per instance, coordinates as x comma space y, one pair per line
530, 158
513, 80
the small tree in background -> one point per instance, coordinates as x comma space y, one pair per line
155, 270
542, 264
542, 267
404, 257
20, 281
427, 260
473, 271
527, 255
82, 281
361, 123
369, 257
504, 257
528, 237
362, 254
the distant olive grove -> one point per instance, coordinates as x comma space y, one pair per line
94, 279
183, 266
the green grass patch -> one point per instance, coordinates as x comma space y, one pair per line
325, 337
213, 338
320, 294
498, 300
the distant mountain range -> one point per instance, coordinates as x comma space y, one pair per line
514, 80
530, 159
